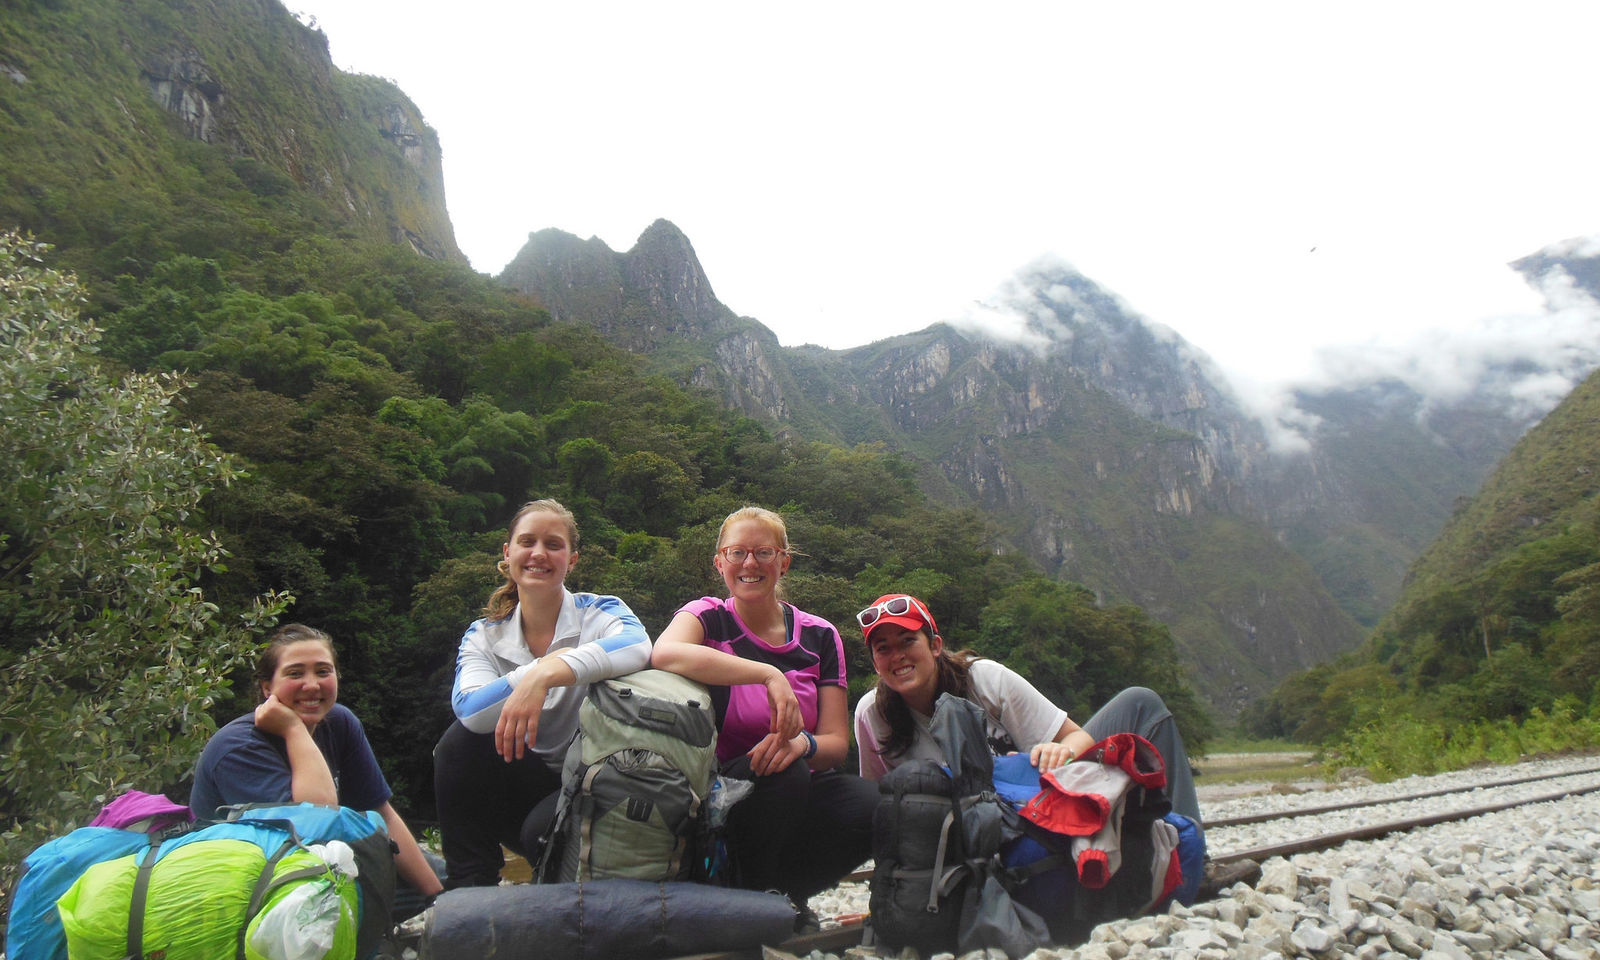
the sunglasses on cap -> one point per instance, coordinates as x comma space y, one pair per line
901, 606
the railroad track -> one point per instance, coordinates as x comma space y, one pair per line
1585, 781
1357, 804
850, 931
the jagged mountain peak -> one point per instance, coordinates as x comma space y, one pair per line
654, 292
663, 232
1577, 259
663, 264
1065, 300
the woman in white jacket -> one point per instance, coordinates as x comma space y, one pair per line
521, 674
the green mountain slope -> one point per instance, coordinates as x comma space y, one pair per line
1102, 452
1499, 616
135, 130
1533, 522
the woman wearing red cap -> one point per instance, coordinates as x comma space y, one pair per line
777, 678
914, 668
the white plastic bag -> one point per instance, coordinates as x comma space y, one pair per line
725, 792
338, 855
301, 926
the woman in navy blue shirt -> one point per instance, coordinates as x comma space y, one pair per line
300, 745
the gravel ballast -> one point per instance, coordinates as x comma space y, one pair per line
1521, 883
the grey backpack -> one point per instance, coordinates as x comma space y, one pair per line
938, 881
634, 782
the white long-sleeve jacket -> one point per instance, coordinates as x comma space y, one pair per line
597, 635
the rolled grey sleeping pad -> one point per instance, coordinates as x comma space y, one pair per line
613, 918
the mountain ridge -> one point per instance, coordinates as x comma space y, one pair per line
1001, 425
1084, 402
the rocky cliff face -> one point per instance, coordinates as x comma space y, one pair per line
642, 299
244, 77
649, 298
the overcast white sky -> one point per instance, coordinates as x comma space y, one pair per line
1263, 178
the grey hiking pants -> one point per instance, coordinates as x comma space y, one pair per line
1141, 710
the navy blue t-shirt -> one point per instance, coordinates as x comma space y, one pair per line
242, 764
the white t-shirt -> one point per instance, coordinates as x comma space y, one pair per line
1017, 717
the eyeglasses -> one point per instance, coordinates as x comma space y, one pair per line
762, 554
895, 607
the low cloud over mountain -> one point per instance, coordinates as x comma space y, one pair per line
1521, 365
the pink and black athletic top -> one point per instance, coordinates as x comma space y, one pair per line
812, 659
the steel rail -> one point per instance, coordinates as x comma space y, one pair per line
1357, 804
1326, 841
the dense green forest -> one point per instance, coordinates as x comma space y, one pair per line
1499, 619
237, 396
380, 415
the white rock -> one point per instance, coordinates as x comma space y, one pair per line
1550, 923
1193, 940
1278, 876
1338, 897
1311, 937
1140, 931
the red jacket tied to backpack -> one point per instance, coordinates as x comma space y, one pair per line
1085, 800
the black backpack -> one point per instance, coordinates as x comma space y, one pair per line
938, 883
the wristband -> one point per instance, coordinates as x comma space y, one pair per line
811, 745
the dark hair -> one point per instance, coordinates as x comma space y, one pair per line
267, 663
955, 677
504, 598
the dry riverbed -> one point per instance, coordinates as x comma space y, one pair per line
1225, 775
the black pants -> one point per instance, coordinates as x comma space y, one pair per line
799, 832
485, 802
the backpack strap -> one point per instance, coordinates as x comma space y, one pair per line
549, 861
586, 825
141, 894
141, 885
264, 881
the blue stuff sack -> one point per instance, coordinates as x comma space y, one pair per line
33, 929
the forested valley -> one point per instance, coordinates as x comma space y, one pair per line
1498, 624
226, 403
248, 379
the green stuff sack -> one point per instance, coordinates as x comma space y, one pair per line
197, 904
635, 781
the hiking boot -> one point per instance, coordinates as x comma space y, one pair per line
806, 920
1220, 876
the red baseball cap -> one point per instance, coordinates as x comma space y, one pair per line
900, 609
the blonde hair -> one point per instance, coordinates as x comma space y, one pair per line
504, 598
768, 518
